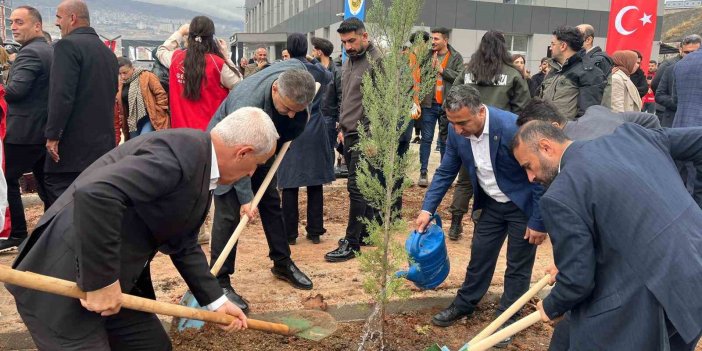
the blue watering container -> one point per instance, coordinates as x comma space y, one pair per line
429, 265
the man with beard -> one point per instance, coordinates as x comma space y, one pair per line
479, 141
627, 249
448, 63
361, 52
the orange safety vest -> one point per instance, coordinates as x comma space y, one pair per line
439, 93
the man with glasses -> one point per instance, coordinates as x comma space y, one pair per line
573, 84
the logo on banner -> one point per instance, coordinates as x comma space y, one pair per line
645, 19
355, 6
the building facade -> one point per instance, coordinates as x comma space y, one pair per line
527, 24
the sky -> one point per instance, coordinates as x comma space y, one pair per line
225, 9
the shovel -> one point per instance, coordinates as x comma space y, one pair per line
516, 306
312, 325
189, 299
505, 333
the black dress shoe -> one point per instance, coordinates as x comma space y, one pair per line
449, 316
343, 253
236, 299
292, 275
504, 343
314, 238
10, 243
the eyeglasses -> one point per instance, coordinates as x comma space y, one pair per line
688, 51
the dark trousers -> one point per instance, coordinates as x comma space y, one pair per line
226, 218
126, 331
358, 206
417, 127
20, 159
462, 194
56, 184
497, 221
315, 211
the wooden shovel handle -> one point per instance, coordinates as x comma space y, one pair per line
245, 219
508, 331
516, 306
67, 288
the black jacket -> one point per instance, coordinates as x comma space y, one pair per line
27, 93
81, 100
639, 79
573, 86
332, 96
600, 59
150, 194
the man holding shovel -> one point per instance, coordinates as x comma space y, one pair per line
626, 247
150, 194
282, 90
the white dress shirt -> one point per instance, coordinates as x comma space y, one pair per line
214, 177
483, 164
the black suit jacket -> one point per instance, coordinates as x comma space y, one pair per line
81, 100
149, 194
27, 93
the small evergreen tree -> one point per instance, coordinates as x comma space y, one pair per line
388, 96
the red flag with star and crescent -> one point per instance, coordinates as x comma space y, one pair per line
632, 25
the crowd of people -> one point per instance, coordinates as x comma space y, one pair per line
566, 153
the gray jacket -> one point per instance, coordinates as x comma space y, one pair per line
352, 71
255, 91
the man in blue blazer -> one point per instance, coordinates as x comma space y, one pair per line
480, 140
627, 248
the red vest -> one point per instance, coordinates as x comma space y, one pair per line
195, 114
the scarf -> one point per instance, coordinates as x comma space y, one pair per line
625, 61
137, 108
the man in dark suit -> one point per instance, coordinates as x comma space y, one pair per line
283, 90
150, 194
82, 94
689, 104
626, 248
27, 96
479, 141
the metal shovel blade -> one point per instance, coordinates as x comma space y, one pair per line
307, 324
185, 323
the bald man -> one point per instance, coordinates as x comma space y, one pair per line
82, 91
599, 58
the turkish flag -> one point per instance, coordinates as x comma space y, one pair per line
632, 24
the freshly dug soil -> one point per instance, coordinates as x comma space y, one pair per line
404, 332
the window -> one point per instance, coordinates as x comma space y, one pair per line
517, 44
519, 2
326, 33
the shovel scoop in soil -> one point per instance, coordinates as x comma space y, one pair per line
306, 324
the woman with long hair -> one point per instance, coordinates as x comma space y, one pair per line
201, 74
492, 72
142, 100
625, 96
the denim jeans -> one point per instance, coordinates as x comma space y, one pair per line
143, 126
430, 115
